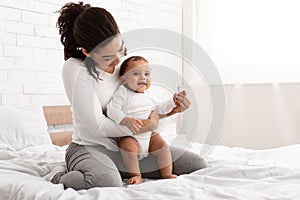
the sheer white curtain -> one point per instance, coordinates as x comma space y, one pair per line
250, 41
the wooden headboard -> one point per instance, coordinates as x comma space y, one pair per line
59, 115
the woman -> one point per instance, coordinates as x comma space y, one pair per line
92, 50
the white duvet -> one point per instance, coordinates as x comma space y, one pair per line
234, 173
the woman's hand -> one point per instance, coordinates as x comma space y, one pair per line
134, 125
181, 101
150, 124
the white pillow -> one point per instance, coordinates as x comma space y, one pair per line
22, 126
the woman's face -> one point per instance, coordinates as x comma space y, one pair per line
109, 56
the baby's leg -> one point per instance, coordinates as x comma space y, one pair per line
159, 148
129, 149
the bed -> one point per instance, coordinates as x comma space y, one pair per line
29, 152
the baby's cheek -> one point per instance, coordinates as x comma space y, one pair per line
148, 85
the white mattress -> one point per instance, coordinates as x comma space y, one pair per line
234, 173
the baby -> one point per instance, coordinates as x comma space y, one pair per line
130, 105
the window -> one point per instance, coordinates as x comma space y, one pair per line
248, 40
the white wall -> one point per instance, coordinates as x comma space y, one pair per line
31, 55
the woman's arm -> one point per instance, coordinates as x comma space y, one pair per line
87, 110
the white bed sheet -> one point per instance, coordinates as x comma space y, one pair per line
234, 173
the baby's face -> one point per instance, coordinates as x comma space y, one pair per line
137, 76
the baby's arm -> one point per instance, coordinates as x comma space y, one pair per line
115, 111
177, 104
114, 107
166, 108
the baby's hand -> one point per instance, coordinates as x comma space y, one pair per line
134, 125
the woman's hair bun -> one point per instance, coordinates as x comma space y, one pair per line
83, 26
65, 23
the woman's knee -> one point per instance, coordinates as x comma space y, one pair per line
73, 179
79, 180
92, 169
185, 161
102, 172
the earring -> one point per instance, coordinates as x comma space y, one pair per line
79, 48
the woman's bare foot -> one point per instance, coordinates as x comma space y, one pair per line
169, 176
135, 180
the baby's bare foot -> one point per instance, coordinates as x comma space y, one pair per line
135, 180
169, 176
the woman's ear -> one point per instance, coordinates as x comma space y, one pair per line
85, 52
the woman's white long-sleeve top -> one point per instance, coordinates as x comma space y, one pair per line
88, 99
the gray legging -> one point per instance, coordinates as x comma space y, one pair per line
95, 166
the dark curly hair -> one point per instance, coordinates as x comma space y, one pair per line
83, 26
